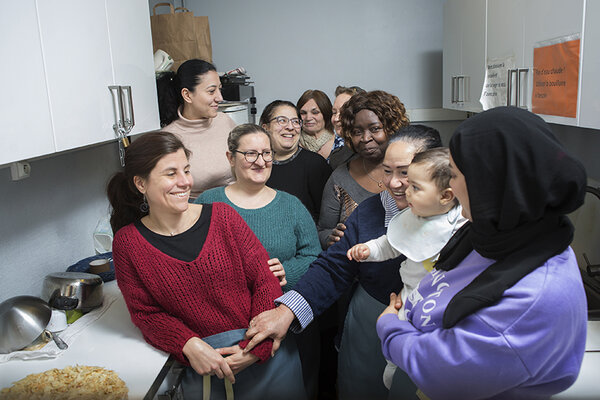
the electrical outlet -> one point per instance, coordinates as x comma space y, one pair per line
20, 170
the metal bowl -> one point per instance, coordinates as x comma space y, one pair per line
22, 320
73, 291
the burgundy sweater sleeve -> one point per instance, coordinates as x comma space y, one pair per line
263, 285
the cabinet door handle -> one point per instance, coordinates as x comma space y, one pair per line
453, 91
124, 118
115, 92
519, 72
509, 86
128, 118
461, 88
122, 125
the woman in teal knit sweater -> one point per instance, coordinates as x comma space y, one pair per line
280, 221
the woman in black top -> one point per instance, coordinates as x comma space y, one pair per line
296, 171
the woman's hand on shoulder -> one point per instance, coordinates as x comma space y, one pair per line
205, 360
236, 358
277, 269
336, 234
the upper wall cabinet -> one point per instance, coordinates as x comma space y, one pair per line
464, 54
133, 61
76, 50
513, 30
589, 104
26, 129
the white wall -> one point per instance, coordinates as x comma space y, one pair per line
47, 220
288, 47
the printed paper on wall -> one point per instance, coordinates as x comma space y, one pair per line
556, 77
493, 93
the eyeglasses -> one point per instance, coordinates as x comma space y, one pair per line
251, 156
283, 121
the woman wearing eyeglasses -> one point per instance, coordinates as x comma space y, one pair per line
279, 220
295, 170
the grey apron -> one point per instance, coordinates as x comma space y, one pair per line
403, 388
360, 360
278, 378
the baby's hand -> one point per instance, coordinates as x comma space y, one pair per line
358, 252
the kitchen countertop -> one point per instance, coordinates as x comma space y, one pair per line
587, 385
112, 342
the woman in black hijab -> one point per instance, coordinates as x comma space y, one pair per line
503, 313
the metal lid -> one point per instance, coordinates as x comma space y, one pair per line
80, 276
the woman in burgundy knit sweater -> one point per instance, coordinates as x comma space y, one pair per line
193, 276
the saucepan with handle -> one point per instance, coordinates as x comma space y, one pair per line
73, 291
22, 320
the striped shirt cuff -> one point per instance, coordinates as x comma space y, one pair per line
300, 307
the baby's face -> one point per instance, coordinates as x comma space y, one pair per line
423, 196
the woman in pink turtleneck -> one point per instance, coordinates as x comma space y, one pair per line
188, 103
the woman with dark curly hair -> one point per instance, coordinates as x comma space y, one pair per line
368, 120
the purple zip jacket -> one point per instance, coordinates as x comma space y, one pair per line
529, 345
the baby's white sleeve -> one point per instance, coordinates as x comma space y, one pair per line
381, 250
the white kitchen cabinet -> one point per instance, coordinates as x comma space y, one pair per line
504, 30
464, 54
514, 28
26, 128
76, 50
546, 20
589, 105
133, 61
78, 62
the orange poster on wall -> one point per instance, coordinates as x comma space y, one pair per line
556, 79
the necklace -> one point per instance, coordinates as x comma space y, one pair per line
158, 228
379, 183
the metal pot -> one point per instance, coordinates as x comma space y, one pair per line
73, 291
22, 320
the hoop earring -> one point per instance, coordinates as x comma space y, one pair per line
144, 206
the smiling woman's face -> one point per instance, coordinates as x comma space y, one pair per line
284, 138
257, 172
167, 188
312, 117
395, 170
204, 101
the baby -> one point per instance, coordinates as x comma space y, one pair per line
420, 231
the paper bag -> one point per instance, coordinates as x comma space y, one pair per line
180, 34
